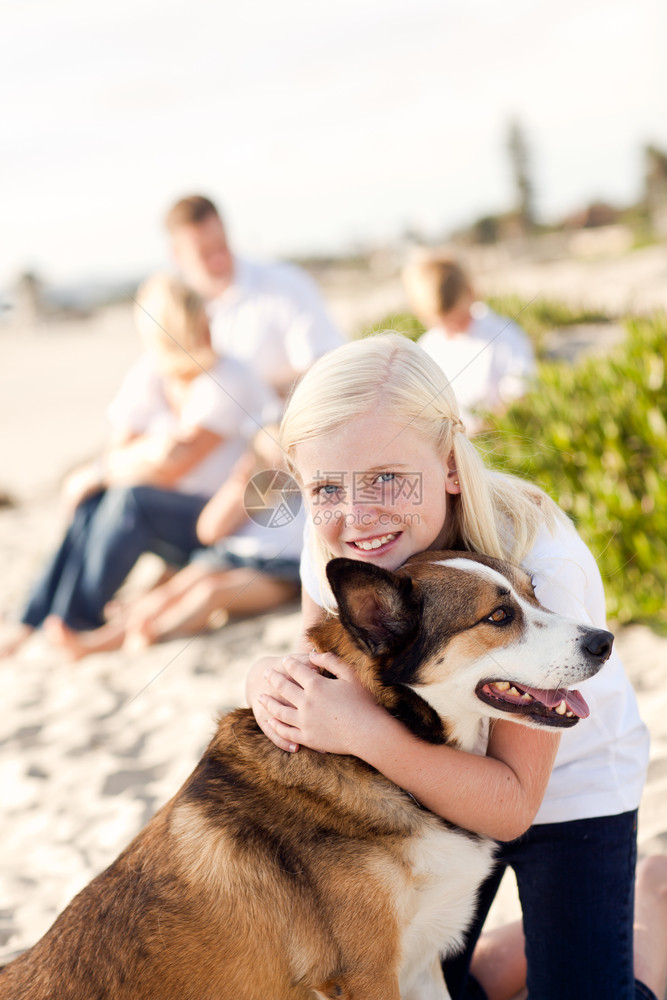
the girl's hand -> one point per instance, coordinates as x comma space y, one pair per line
331, 715
257, 687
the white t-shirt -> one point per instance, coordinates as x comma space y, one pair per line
601, 764
228, 400
281, 540
272, 317
488, 366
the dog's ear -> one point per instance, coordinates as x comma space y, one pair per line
380, 610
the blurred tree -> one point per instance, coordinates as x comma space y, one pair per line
519, 154
655, 189
486, 229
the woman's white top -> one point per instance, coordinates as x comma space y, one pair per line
601, 764
228, 400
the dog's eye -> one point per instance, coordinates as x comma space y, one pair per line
501, 616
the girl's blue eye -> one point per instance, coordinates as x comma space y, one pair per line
327, 488
386, 477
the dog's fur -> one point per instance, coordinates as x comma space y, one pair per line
276, 876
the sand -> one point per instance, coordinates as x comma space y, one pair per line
88, 751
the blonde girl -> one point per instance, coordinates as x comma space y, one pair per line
373, 435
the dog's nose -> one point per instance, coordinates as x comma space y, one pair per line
598, 643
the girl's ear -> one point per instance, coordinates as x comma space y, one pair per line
452, 480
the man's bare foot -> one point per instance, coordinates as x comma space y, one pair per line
105, 639
148, 631
12, 637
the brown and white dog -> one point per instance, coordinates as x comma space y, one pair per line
276, 876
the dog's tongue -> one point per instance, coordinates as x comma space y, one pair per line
572, 699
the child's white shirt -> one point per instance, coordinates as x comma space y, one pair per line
601, 764
488, 366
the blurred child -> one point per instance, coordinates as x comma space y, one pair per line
487, 358
181, 420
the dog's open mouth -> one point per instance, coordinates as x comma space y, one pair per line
550, 707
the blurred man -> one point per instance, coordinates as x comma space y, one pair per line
269, 315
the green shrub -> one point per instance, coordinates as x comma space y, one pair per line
402, 322
538, 316
594, 437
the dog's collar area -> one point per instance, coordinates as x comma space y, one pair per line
550, 707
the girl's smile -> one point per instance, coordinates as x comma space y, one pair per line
376, 489
373, 544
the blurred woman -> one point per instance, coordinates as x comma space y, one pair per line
181, 420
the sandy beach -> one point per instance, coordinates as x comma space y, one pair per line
88, 751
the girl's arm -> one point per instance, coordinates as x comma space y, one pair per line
497, 795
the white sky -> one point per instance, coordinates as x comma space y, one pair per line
312, 125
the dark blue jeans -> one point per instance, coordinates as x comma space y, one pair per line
108, 533
576, 885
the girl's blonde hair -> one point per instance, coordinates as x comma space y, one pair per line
172, 322
495, 513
